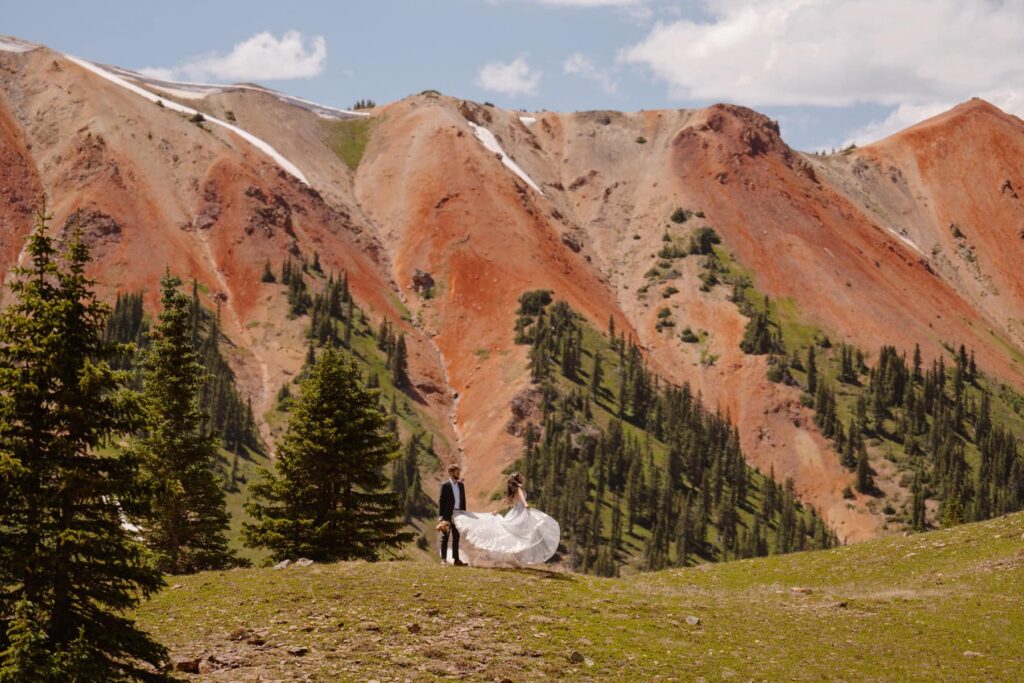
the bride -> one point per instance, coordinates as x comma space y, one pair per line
520, 537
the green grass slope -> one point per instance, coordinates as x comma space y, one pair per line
945, 605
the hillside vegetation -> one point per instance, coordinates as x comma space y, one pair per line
943, 605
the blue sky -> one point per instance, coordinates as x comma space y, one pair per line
830, 71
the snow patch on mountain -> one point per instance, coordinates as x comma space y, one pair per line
11, 44
906, 240
256, 142
491, 144
197, 91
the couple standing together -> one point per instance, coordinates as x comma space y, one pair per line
519, 537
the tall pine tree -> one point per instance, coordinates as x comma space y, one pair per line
69, 570
185, 521
329, 499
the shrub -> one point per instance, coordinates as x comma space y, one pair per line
668, 291
689, 337
671, 251
680, 215
532, 303
703, 240
640, 140
848, 493
197, 118
664, 312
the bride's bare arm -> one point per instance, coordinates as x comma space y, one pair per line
521, 495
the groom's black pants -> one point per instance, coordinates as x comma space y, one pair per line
454, 533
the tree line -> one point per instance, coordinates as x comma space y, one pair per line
932, 413
663, 472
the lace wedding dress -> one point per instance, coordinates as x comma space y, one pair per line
520, 537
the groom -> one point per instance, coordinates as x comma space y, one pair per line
453, 497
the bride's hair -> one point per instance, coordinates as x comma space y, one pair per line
515, 482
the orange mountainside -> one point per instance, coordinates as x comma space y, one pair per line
916, 239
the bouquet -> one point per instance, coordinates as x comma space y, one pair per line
443, 526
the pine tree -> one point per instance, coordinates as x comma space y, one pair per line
268, 274
865, 479
329, 500
400, 364
69, 571
596, 376
812, 371
186, 521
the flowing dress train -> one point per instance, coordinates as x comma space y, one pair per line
520, 537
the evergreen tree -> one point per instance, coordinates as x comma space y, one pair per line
69, 571
400, 363
329, 499
186, 521
596, 377
812, 371
268, 274
865, 479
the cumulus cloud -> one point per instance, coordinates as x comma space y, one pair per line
511, 78
912, 55
261, 57
906, 115
580, 65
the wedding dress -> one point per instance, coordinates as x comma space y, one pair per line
520, 537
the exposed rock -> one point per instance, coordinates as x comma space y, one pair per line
96, 226
303, 562
525, 410
572, 242
240, 634
188, 666
576, 658
207, 216
471, 111
693, 621
800, 590
270, 216
298, 651
370, 626
414, 628
422, 281
283, 564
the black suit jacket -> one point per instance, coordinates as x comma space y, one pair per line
448, 499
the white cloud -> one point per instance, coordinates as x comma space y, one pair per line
512, 78
580, 65
261, 57
906, 115
839, 53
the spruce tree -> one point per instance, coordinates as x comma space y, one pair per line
329, 499
400, 364
596, 376
812, 371
185, 522
268, 274
69, 570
